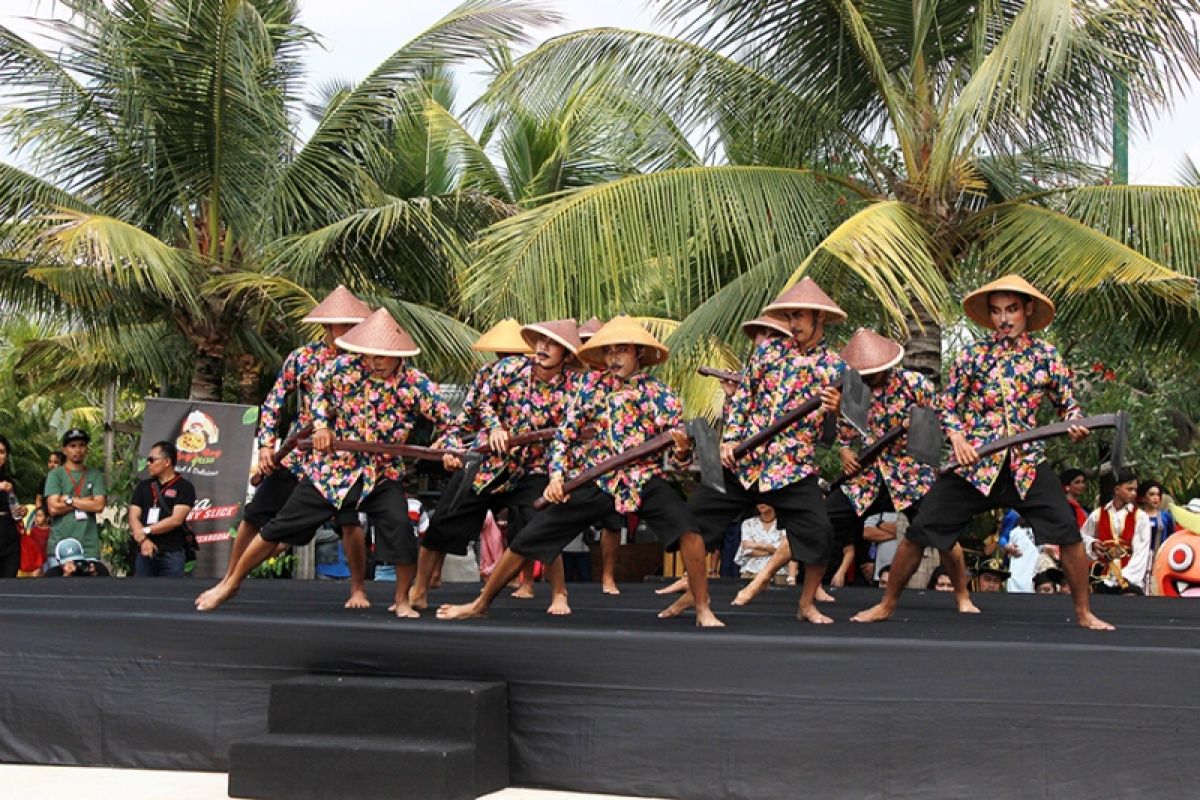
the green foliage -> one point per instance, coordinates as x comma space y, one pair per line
280, 566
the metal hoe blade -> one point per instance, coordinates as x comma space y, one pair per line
471, 462
708, 453
856, 402
925, 437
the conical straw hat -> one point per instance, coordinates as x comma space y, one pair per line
868, 352
806, 294
340, 307
976, 303
751, 326
622, 330
379, 335
503, 337
588, 329
563, 331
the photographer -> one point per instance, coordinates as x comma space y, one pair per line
158, 513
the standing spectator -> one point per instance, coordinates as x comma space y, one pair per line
1074, 484
158, 515
1016, 540
56, 459
33, 544
10, 513
75, 495
1118, 535
1162, 524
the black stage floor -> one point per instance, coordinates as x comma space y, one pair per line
1017, 702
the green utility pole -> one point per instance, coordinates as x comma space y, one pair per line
1120, 131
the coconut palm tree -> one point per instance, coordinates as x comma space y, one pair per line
898, 150
166, 181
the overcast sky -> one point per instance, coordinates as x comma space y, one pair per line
358, 34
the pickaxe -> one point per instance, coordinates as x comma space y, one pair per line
705, 444
1118, 421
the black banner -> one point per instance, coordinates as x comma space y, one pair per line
216, 451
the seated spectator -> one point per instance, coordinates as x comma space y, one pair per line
1074, 484
1045, 583
939, 581
761, 537
991, 575
882, 576
1117, 537
880, 530
70, 560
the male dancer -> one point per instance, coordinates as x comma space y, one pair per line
504, 340
520, 395
610, 526
993, 390
757, 330
337, 313
782, 473
895, 481
369, 397
625, 407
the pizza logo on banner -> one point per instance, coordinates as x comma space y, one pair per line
198, 432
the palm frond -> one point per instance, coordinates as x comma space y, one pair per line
589, 248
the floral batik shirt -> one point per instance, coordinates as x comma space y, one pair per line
512, 398
623, 414
994, 390
297, 374
353, 404
906, 480
468, 425
779, 377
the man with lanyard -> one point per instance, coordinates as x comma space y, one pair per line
1117, 535
895, 481
782, 373
521, 394
625, 407
158, 513
336, 314
373, 397
993, 390
75, 495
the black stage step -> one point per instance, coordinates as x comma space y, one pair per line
349, 736
314, 767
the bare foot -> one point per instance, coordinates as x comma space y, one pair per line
678, 607
358, 599
824, 596
464, 611
524, 592
811, 614
417, 601
876, 613
1094, 623
965, 606
215, 596
559, 607
609, 587
680, 585
747, 593
200, 597
403, 611
705, 618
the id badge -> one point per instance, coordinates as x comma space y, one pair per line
152, 516
80, 515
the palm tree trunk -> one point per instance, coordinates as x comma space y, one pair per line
249, 373
208, 372
923, 350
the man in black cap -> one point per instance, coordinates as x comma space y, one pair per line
75, 495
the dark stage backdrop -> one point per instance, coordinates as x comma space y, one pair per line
216, 450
